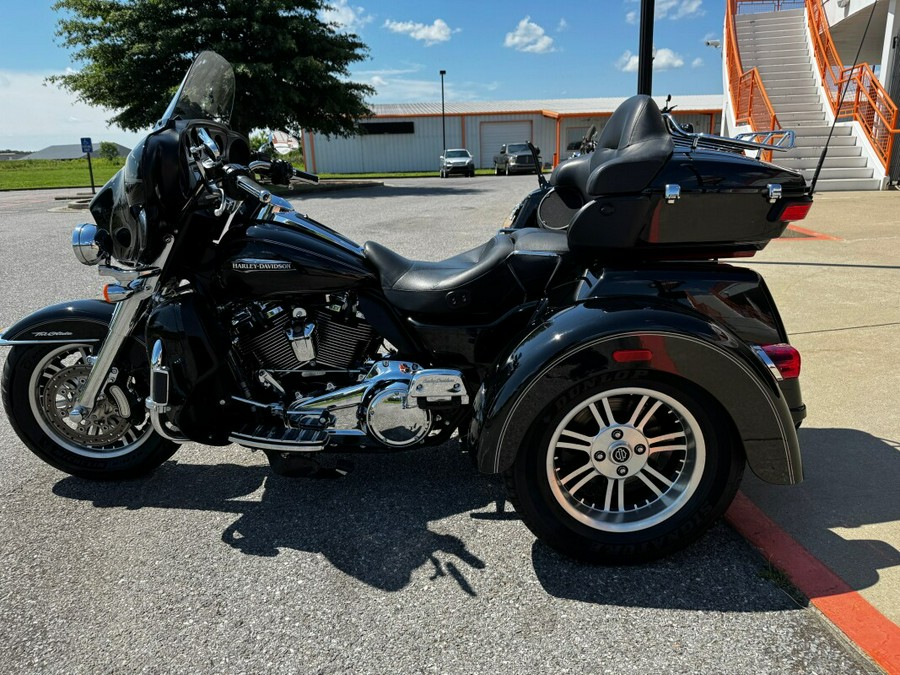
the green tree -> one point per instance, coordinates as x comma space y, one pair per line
108, 151
291, 68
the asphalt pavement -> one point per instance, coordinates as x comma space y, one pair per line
414, 562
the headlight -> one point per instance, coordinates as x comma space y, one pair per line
89, 244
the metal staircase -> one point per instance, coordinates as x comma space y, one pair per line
776, 44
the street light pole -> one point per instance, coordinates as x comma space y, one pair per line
443, 120
645, 48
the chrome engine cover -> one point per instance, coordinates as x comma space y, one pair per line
391, 420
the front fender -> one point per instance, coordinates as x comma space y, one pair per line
78, 320
577, 344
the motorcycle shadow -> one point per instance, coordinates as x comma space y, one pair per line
373, 524
844, 509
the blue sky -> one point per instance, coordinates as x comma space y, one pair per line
491, 50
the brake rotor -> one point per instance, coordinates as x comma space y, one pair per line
104, 426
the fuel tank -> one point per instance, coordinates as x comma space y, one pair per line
288, 254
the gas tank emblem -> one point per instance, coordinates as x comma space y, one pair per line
258, 265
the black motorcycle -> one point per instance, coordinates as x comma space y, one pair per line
595, 352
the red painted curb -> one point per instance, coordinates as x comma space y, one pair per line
874, 633
810, 235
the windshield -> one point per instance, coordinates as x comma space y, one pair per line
207, 91
458, 153
517, 147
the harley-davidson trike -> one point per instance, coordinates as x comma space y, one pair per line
596, 353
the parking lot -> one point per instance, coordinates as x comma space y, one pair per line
414, 562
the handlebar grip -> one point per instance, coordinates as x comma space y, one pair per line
308, 177
254, 189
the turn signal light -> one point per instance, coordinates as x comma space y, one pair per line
796, 211
786, 358
116, 293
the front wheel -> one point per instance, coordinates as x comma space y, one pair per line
627, 473
41, 384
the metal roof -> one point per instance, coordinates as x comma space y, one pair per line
559, 106
70, 152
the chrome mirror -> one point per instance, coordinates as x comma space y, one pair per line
282, 142
211, 146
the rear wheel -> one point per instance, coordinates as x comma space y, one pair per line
41, 384
625, 474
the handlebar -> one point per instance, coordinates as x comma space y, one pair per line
254, 189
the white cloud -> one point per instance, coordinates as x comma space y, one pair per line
392, 85
663, 59
345, 16
666, 59
432, 34
563, 25
671, 9
529, 37
628, 62
697, 63
679, 9
34, 115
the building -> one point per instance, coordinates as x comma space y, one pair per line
409, 137
70, 152
793, 64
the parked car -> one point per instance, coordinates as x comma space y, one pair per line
515, 158
457, 160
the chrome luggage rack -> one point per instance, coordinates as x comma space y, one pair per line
781, 140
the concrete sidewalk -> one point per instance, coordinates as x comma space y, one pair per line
839, 301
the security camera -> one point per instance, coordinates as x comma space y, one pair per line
714, 43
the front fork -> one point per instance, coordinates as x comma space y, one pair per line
130, 294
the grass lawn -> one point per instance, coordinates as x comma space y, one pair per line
55, 173
73, 173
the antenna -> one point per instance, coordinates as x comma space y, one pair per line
815, 178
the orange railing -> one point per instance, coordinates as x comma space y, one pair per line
749, 100
864, 98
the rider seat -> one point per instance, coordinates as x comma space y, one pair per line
504, 271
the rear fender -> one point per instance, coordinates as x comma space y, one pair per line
76, 321
576, 345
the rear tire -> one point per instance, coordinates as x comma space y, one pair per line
40, 385
605, 490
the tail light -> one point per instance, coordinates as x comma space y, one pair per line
795, 211
785, 358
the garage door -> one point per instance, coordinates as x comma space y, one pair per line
495, 134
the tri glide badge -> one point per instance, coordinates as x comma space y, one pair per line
254, 265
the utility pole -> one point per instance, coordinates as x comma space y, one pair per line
443, 119
645, 49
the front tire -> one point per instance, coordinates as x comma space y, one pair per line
626, 473
40, 386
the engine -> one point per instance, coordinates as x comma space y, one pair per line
320, 359
280, 337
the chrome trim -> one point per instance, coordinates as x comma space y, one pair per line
160, 427
767, 362
437, 385
126, 275
774, 191
783, 138
302, 342
123, 321
13, 343
85, 245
